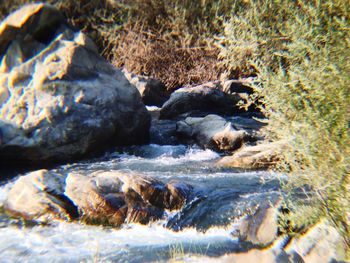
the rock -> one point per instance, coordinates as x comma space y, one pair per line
212, 132
250, 256
153, 91
178, 194
244, 123
322, 243
39, 196
58, 98
163, 132
261, 227
261, 156
103, 198
114, 198
94, 206
39, 22
233, 86
204, 98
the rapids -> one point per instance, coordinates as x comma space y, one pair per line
206, 225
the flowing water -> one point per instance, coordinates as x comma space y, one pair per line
206, 225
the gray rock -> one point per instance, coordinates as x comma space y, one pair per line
243, 123
163, 132
212, 132
204, 98
60, 99
39, 196
153, 91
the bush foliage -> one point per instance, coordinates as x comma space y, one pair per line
300, 50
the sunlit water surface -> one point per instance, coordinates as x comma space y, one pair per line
204, 226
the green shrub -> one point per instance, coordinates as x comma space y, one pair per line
299, 51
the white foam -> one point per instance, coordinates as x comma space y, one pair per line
153, 108
74, 242
166, 155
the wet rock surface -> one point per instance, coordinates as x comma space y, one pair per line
59, 99
39, 196
105, 198
163, 132
261, 227
212, 132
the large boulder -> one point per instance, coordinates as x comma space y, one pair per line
207, 98
212, 132
104, 198
58, 98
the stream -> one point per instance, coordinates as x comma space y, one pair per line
206, 225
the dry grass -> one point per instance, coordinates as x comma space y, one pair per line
165, 57
169, 40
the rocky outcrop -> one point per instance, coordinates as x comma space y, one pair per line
153, 91
261, 156
106, 198
58, 98
212, 132
206, 98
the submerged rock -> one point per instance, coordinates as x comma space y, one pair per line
212, 132
261, 156
59, 99
106, 198
204, 98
